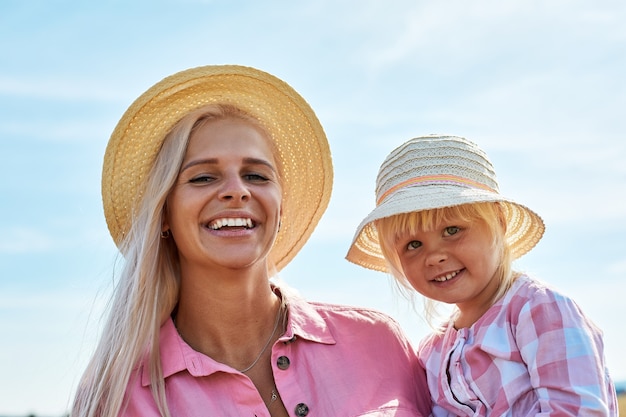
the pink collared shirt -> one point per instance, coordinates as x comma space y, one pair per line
333, 361
533, 353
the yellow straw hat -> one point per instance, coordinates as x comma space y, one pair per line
299, 137
435, 171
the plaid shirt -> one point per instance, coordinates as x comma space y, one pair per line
532, 353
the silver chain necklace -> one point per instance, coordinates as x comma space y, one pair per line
243, 371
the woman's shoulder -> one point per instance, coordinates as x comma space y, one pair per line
352, 314
332, 322
345, 321
342, 313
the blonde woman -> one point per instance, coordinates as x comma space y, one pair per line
213, 180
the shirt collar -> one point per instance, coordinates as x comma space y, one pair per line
304, 320
176, 355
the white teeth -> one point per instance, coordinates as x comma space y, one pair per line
447, 276
238, 222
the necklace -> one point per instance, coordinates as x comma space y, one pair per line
274, 396
243, 371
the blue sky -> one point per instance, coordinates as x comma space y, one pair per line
539, 85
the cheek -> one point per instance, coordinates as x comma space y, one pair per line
491, 256
276, 200
410, 268
181, 206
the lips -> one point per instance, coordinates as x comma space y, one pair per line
244, 222
446, 277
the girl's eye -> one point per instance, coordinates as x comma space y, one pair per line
414, 244
451, 230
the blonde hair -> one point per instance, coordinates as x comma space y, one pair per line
491, 214
148, 285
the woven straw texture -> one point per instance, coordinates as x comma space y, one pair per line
432, 172
300, 139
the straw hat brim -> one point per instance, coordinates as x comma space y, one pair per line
291, 122
524, 227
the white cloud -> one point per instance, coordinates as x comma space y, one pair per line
25, 240
618, 269
58, 88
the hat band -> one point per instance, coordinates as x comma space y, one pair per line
434, 180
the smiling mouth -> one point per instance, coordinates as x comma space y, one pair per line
447, 276
231, 222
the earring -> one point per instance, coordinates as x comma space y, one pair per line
165, 234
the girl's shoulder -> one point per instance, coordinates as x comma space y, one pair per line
527, 290
533, 301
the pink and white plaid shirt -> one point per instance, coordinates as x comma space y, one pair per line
532, 353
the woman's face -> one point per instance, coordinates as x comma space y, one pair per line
224, 209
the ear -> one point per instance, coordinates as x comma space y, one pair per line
165, 225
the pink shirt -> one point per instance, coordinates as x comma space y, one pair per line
532, 353
333, 361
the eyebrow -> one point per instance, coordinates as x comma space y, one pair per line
213, 161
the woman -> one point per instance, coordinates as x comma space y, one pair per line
213, 180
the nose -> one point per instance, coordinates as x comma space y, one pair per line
235, 189
436, 256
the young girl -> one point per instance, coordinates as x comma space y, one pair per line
513, 346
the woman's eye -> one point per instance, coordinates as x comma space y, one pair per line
414, 244
201, 179
255, 177
451, 230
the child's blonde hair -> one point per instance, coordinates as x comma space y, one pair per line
490, 213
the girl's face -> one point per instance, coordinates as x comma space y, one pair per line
224, 210
454, 263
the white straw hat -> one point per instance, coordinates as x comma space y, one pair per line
432, 172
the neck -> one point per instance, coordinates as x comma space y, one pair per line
229, 319
471, 311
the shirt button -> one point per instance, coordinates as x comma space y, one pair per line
283, 362
302, 410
